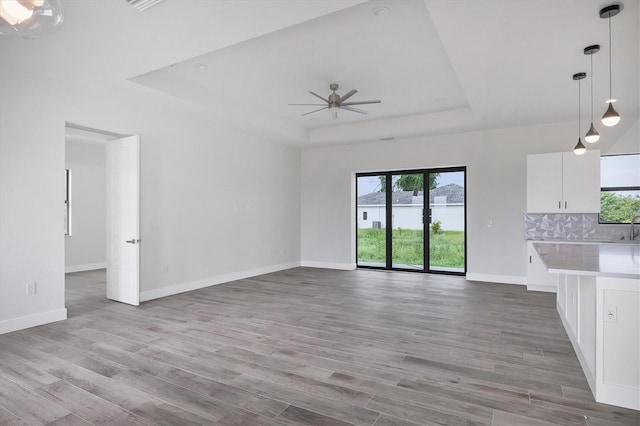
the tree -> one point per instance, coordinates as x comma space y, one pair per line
413, 183
616, 208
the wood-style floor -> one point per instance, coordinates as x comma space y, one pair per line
303, 347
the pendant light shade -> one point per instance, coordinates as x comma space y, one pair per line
611, 116
592, 135
28, 19
579, 149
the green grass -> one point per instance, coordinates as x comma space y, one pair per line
446, 247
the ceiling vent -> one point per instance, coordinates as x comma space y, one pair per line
143, 4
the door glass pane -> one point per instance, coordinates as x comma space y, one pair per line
371, 217
446, 221
407, 242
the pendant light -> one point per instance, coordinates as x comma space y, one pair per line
592, 135
29, 19
611, 116
579, 148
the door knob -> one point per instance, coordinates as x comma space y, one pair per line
134, 241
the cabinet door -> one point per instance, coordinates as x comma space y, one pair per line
581, 182
544, 183
537, 274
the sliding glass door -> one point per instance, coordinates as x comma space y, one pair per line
407, 233
372, 221
447, 221
412, 220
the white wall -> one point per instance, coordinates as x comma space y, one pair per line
86, 248
31, 203
201, 185
496, 192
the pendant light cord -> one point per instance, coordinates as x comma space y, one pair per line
579, 110
591, 80
610, 97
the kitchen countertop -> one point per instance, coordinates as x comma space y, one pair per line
604, 259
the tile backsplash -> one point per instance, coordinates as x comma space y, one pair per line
570, 226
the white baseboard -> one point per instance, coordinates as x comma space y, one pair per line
28, 321
86, 267
500, 279
206, 282
545, 288
329, 265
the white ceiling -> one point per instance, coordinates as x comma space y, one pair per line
437, 65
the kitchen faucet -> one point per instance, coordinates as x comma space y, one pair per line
632, 234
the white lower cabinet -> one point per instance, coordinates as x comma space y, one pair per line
538, 279
601, 316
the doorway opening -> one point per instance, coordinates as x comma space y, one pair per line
412, 220
102, 198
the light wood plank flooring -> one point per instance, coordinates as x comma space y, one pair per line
303, 347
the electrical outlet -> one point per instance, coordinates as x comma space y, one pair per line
611, 314
32, 289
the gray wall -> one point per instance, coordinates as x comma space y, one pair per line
85, 249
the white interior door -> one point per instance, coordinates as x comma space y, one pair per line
123, 220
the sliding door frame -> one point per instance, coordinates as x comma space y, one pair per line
426, 213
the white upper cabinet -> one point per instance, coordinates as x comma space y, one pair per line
544, 183
562, 182
581, 182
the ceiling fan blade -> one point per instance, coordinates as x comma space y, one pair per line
308, 104
316, 110
318, 96
360, 103
348, 95
354, 109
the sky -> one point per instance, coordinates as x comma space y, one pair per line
620, 170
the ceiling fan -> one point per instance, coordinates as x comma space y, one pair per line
336, 102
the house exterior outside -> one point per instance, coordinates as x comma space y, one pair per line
446, 204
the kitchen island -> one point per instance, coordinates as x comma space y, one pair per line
598, 300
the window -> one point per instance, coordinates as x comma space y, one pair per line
67, 202
619, 188
364, 215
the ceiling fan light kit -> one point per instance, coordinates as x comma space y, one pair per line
335, 102
611, 116
29, 19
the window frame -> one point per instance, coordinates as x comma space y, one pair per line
616, 188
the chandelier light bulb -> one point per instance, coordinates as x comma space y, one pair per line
13, 12
29, 19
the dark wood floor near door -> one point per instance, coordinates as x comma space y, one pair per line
303, 347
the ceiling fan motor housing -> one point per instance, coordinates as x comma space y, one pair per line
334, 100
